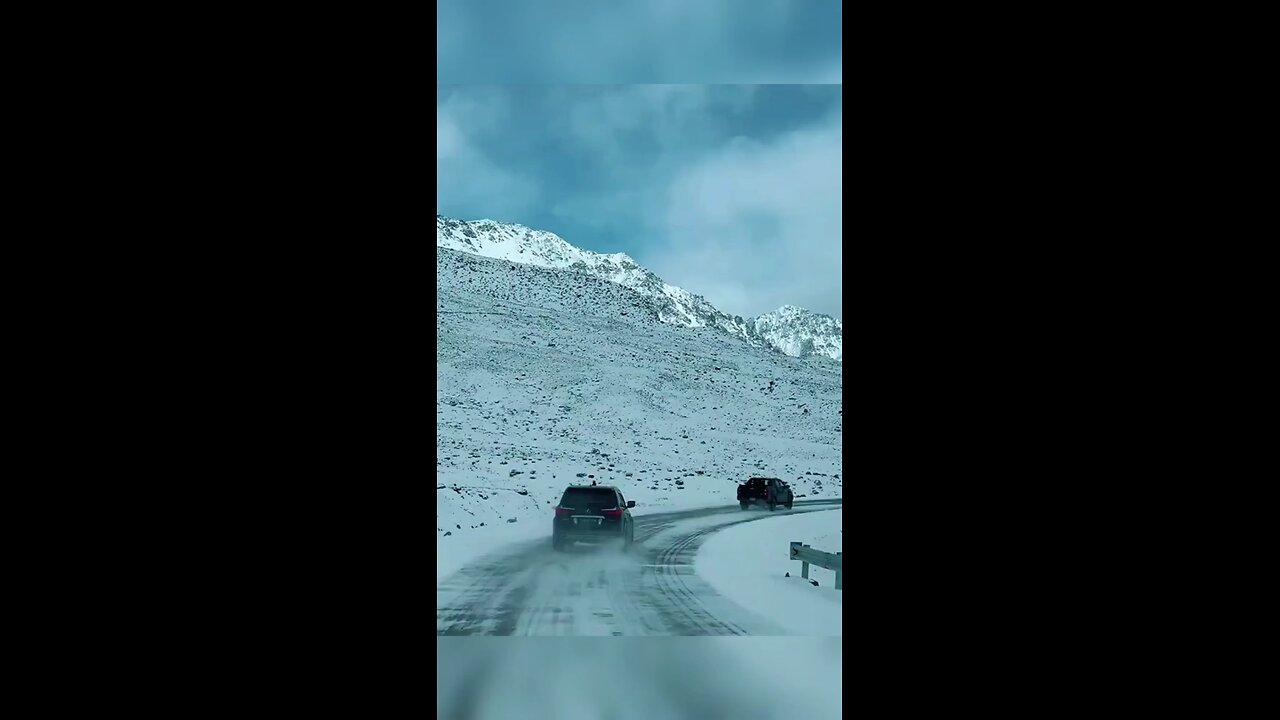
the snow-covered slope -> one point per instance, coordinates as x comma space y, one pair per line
545, 377
790, 330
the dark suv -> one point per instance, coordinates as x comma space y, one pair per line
770, 491
592, 513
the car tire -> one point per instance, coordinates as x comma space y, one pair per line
557, 544
772, 506
788, 506
745, 506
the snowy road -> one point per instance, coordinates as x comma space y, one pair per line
531, 590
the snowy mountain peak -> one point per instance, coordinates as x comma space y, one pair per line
788, 311
791, 330
514, 243
797, 331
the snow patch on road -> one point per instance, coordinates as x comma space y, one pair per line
748, 563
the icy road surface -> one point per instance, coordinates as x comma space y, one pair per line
599, 591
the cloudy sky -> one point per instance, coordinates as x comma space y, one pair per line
732, 191
638, 41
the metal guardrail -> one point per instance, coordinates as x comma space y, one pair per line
807, 555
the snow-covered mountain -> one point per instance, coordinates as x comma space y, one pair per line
790, 330
798, 332
546, 377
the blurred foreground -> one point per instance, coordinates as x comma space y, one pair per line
619, 678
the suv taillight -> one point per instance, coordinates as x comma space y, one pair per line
616, 512
563, 511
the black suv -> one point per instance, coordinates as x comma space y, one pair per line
770, 491
593, 513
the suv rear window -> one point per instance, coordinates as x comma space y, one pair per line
581, 497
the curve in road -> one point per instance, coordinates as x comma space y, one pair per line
652, 590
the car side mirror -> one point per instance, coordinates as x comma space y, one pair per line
631, 503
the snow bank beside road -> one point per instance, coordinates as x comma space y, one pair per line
747, 563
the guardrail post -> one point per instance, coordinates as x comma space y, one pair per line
808, 556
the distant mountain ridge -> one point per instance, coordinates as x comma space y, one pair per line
790, 330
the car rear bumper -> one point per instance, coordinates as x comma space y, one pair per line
565, 529
592, 538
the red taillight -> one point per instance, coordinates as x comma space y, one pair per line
563, 511
616, 512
